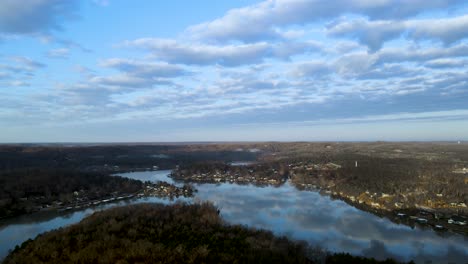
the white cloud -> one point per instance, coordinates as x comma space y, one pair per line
230, 55
455, 114
18, 83
458, 113
21, 65
375, 33
144, 68
354, 64
370, 33
259, 21
416, 54
58, 53
314, 69
28, 63
173, 51
285, 50
447, 30
446, 63
35, 16
121, 81
273, 60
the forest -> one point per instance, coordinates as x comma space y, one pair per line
37, 177
390, 176
423, 180
28, 190
409, 180
112, 157
179, 233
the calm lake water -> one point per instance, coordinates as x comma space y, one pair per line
302, 215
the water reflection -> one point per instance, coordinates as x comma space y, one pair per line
15, 231
332, 224
242, 163
153, 176
303, 215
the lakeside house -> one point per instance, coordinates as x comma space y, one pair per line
333, 165
422, 220
457, 220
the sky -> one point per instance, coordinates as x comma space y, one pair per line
238, 70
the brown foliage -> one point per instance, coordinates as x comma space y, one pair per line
154, 233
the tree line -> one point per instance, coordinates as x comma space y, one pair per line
27, 190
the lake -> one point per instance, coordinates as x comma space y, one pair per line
304, 215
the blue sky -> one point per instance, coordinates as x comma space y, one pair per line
288, 70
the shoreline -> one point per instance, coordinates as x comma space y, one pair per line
159, 189
412, 216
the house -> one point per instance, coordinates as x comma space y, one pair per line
457, 220
334, 165
422, 220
